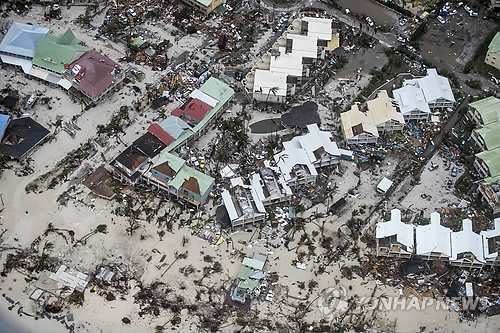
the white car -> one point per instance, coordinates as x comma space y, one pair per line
453, 12
401, 39
467, 9
441, 19
369, 21
471, 13
403, 22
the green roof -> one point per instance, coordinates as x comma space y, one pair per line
204, 181
215, 89
492, 160
53, 52
205, 2
173, 161
245, 272
248, 284
491, 135
253, 263
494, 46
492, 180
488, 108
138, 42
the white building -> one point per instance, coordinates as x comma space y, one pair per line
303, 154
395, 238
305, 40
412, 104
433, 240
435, 88
466, 247
270, 186
491, 244
243, 204
270, 87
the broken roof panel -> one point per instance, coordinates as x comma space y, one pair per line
187, 173
351, 121
21, 39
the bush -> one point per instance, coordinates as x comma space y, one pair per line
475, 84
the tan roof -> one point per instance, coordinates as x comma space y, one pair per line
382, 109
355, 122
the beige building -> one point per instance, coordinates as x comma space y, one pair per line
493, 54
384, 115
205, 6
365, 127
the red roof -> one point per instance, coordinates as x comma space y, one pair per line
196, 109
98, 71
158, 132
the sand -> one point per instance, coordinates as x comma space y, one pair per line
26, 215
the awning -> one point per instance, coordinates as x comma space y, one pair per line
24, 63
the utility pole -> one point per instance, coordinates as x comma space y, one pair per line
1, 199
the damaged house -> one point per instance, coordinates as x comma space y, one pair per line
304, 154
464, 248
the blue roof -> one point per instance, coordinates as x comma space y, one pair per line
21, 39
175, 126
4, 122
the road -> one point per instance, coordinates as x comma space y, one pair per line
386, 39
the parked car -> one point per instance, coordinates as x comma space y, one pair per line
433, 166
454, 172
401, 39
403, 22
441, 20
369, 21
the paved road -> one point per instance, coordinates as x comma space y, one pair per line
386, 39
452, 121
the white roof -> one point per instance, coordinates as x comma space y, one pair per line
264, 81
487, 234
410, 98
301, 150
466, 241
227, 172
384, 184
228, 203
25, 64
203, 97
403, 231
434, 86
290, 64
433, 237
319, 27
313, 140
45, 75
291, 157
245, 206
304, 46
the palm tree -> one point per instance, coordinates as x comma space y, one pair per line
3, 161
273, 90
101, 228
